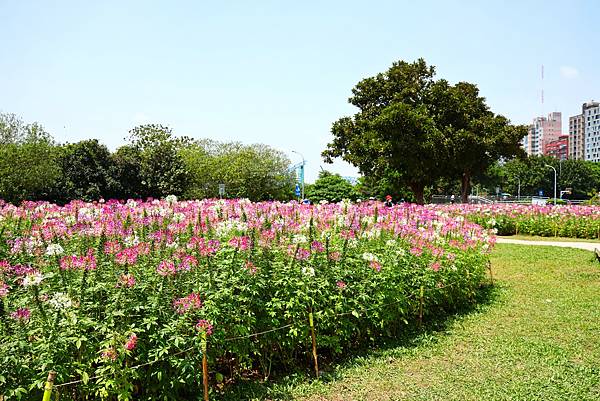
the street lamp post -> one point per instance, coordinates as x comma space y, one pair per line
519, 190
547, 165
301, 172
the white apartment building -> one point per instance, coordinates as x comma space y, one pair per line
542, 131
591, 124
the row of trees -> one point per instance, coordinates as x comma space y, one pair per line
412, 130
154, 163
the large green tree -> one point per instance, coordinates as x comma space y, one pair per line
162, 169
256, 172
394, 130
332, 188
84, 172
475, 137
28, 166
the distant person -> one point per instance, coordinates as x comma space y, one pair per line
452, 198
388, 201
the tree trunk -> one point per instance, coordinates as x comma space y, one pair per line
465, 188
418, 189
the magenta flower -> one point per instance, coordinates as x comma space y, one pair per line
166, 268
204, 326
131, 342
302, 254
21, 314
189, 302
317, 246
241, 243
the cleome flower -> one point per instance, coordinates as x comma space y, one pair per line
204, 326
54, 250
60, 300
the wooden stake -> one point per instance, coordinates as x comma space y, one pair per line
204, 367
49, 386
314, 343
491, 275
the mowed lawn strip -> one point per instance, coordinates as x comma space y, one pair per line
538, 339
551, 239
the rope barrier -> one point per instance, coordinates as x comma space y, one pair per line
257, 334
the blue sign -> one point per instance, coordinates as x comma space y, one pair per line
297, 189
541, 193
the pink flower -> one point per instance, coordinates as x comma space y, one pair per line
317, 246
187, 262
436, 266
112, 247
131, 342
241, 243
375, 265
250, 267
21, 314
340, 284
334, 256
3, 289
204, 326
126, 280
109, 353
189, 302
302, 254
416, 251
166, 268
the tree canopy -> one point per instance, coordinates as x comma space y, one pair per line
419, 129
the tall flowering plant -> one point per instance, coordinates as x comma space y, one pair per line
118, 295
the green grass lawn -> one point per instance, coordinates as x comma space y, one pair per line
538, 238
536, 338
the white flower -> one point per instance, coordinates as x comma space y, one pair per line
369, 257
400, 252
352, 243
131, 241
60, 301
323, 202
390, 242
54, 250
308, 271
178, 217
32, 279
131, 203
171, 199
299, 239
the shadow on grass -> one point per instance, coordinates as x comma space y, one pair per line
432, 331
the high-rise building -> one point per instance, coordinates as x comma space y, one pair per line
590, 113
559, 148
542, 131
576, 137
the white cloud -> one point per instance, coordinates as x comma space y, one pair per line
569, 72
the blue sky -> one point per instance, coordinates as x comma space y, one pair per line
278, 72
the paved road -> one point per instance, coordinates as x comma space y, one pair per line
589, 246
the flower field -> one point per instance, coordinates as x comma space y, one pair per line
121, 299
545, 221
